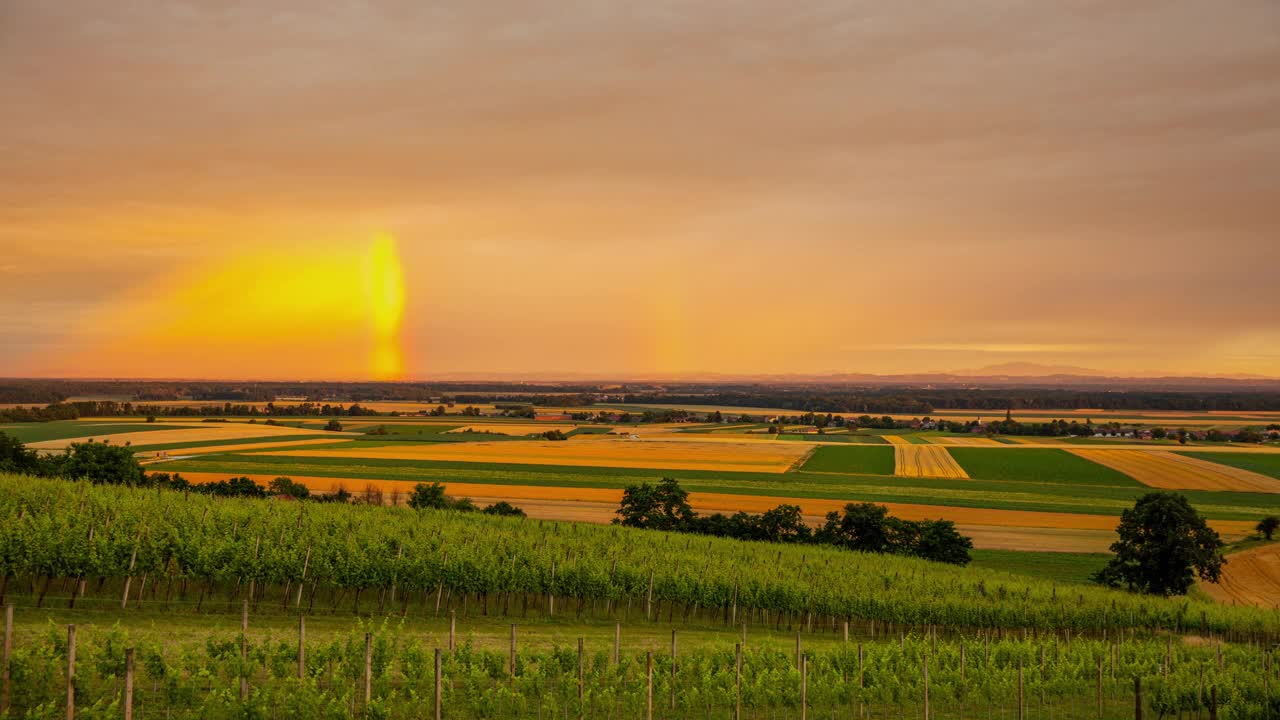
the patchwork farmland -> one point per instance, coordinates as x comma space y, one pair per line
1021, 494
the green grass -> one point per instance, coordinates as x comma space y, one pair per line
996, 494
855, 459
64, 429
590, 430
1052, 566
1035, 464
1261, 463
813, 437
235, 441
864, 438
411, 429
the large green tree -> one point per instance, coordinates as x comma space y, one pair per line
101, 462
664, 506
861, 527
1164, 546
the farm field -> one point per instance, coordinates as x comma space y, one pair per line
1262, 464
172, 432
989, 528
603, 452
1037, 465
31, 433
925, 461
857, 460
1251, 577
513, 428
1174, 471
1015, 495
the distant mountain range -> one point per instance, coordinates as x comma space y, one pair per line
1024, 374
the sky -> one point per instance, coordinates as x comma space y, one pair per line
403, 190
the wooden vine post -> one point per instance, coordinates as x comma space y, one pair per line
648, 689
128, 684
737, 681
8, 652
438, 684
71, 672
244, 649
368, 670
302, 647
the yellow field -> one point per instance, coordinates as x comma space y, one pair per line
196, 432
966, 441
514, 428
603, 452
896, 440
925, 461
1251, 577
1171, 471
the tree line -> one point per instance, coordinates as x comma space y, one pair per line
865, 527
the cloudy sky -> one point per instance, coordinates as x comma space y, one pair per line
199, 189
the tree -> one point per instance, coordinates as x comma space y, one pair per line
1164, 546
101, 463
502, 507
428, 496
861, 527
1268, 525
939, 541
664, 506
784, 523
16, 458
333, 425
286, 486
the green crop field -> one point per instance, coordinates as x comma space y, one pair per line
1037, 465
1261, 463
64, 429
235, 441
857, 460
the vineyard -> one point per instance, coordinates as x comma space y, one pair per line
79, 545
374, 670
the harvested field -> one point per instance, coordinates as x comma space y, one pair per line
925, 461
513, 428
896, 440
1251, 577
597, 451
1173, 471
196, 432
995, 529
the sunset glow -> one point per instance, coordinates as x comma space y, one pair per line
519, 190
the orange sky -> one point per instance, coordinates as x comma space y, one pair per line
632, 188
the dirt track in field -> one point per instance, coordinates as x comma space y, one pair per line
995, 529
1251, 577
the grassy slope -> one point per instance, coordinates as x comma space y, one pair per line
1052, 566
1013, 495
1036, 465
859, 460
232, 441
1263, 464
61, 430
